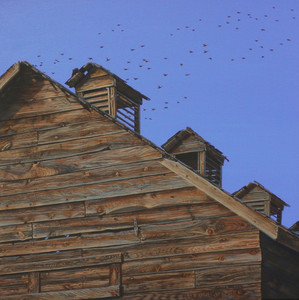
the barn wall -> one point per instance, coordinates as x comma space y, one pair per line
88, 211
280, 267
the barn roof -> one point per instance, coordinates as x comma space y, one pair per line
178, 138
261, 222
80, 74
250, 186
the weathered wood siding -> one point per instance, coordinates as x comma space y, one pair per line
87, 211
280, 267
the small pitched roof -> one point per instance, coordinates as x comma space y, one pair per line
250, 186
82, 73
178, 138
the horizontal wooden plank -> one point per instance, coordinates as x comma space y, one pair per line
91, 293
96, 83
22, 140
241, 274
71, 164
67, 243
156, 282
68, 148
43, 213
162, 198
13, 285
48, 121
75, 278
15, 233
159, 215
55, 261
191, 261
240, 291
202, 244
112, 173
95, 191
194, 228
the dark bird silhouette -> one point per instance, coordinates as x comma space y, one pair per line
165, 74
118, 25
101, 47
135, 78
148, 68
61, 53
227, 22
190, 51
132, 49
271, 50
70, 58
166, 102
219, 26
181, 64
262, 56
187, 74
288, 40
90, 58
204, 45
205, 51
237, 28
263, 29
243, 57
165, 58
142, 46
232, 59
210, 58
159, 86
107, 59
128, 62
165, 107
140, 66
250, 49
125, 69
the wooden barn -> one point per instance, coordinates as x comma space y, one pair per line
90, 209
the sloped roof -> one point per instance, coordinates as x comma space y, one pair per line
250, 186
178, 138
261, 222
79, 74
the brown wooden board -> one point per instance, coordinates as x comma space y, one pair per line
240, 291
78, 162
162, 198
131, 170
16, 284
68, 148
192, 261
161, 215
15, 233
94, 191
48, 121
156, 282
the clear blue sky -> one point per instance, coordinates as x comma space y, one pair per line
241, 95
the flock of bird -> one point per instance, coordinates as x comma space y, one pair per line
131, 67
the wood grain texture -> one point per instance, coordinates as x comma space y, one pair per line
163, 198
15, 233
68, 148
228, 275
158, 282
89, 293
56, 261
43, 213
193, 261
94, 191
241, 291
76, 163
125, 220
112, 173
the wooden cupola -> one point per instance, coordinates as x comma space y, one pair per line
190, 148
262, 200
109, 93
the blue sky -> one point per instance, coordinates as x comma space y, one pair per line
227, 69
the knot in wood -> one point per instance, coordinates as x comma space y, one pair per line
6, 146
116, 173
145, 169
209, 231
